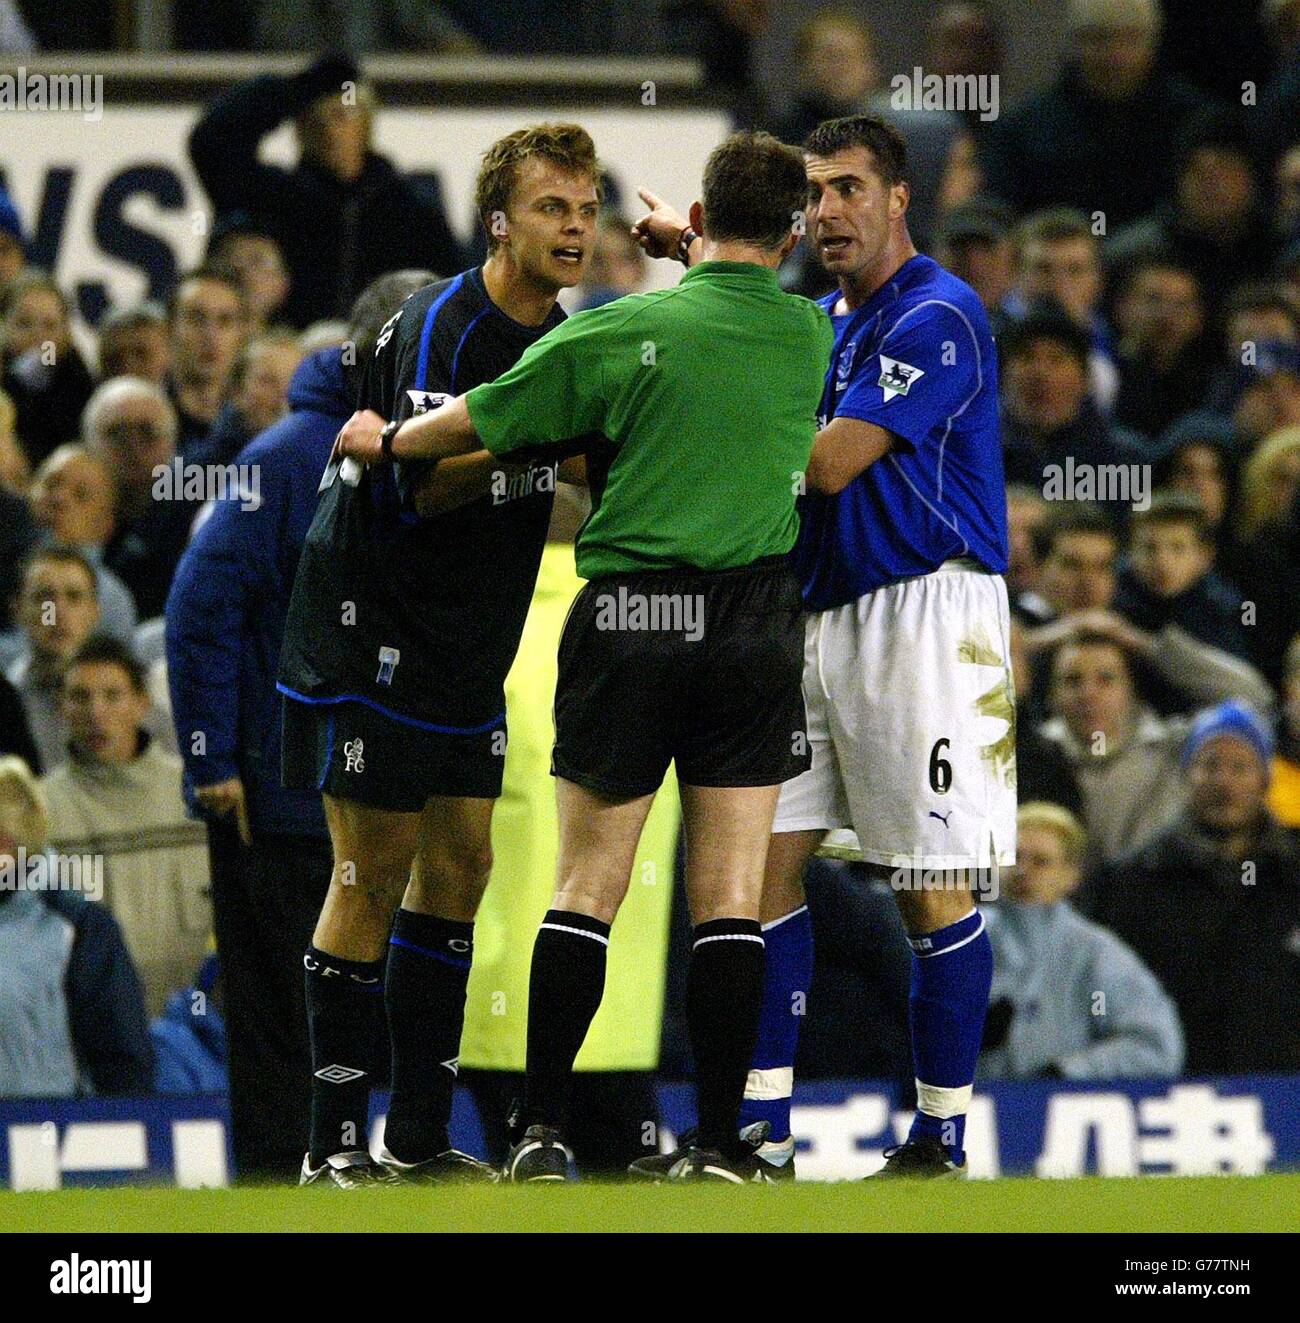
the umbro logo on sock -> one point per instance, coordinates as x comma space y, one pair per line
339, 1074
452, 1064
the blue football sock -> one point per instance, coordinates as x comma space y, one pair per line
786, 977
952, 970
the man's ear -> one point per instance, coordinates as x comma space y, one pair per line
696, 217
900, 195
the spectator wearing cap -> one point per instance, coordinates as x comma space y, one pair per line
1124, 754
44, 374
1069, 999
13, 244
1212, 903
1056, 258
131, 426
119, 796
1048, 417
72, 1017
1098, 137
343, 214
973, 241
1163, 351
249, 248
1214, 223
1284, 786
207, 321
135, 342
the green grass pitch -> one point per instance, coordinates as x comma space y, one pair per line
1153, 1203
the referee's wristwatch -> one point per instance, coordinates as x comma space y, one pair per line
688, 237
386, 439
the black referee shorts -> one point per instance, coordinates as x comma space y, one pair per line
701, 667
353, 751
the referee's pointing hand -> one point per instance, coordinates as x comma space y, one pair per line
359, 437
659, 231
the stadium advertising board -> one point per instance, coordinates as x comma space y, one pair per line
113, 208
1243, 1125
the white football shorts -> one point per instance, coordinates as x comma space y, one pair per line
911, 719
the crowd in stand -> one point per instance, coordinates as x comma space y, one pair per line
1137, 245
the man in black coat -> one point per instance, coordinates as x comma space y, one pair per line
1098, 137
343, 215
1212, 904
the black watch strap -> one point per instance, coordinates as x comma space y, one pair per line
688, 237
386, 439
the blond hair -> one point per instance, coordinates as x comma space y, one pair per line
1060, 822
23, 814
566, 145
1257, 505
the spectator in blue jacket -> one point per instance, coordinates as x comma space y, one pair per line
1069, 999
72, 1017
270, 854
189, 1039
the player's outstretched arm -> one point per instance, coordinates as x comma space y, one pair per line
659, 231
842, 450
455, 482
438, 435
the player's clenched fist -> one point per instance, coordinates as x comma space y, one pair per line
360, 437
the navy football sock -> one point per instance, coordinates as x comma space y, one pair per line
428, 967
952, 971
787, 973
341, 1019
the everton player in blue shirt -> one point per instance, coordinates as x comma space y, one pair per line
907, 675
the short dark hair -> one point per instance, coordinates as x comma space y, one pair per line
754, 190
1153, 257
883, 141
1045, 320
566, 145
1073, 517
214, 271
1053, 225
1172, 506
378, 302
104, 648
58, 554
1262, 296
1093, 638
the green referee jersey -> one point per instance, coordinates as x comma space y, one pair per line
709, 393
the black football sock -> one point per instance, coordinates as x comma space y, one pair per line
724, 995
341, 1020
428, 968
564, 991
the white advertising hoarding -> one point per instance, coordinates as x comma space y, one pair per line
114, 206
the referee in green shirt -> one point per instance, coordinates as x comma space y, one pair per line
687, 642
